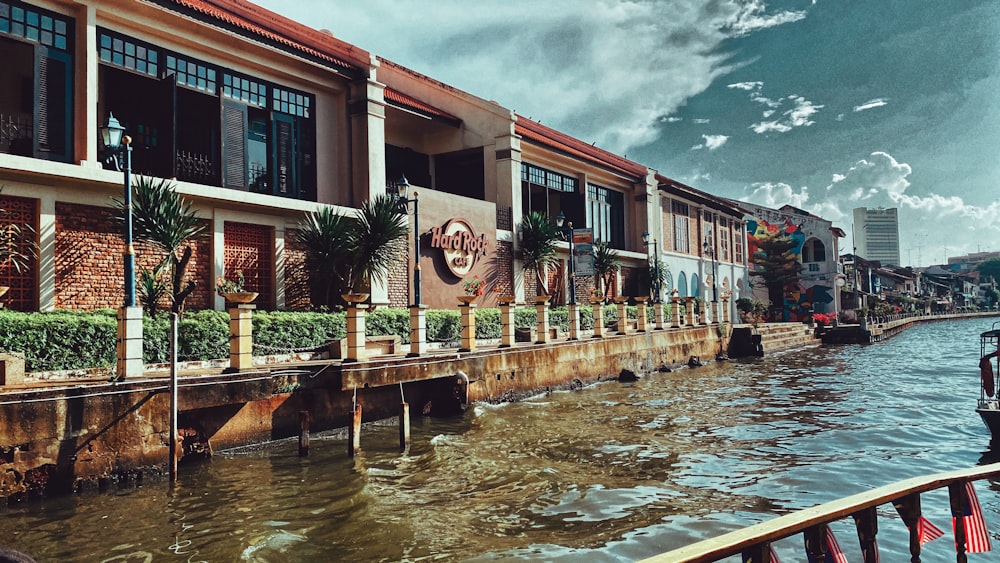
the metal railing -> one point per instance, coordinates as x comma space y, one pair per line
754, 542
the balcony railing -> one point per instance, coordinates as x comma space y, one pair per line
754, 542
16, 131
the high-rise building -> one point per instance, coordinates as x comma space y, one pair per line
876, 234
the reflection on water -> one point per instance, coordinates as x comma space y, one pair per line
614, 472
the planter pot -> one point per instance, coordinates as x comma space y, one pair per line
621, 299
240, 297
4, 289
596, 300
506, 299
354, 298
467, 299
542, 299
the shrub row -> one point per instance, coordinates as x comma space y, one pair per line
63, 340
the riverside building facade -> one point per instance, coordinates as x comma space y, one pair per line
258, 120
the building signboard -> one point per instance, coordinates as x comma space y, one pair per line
461, 246
583, 252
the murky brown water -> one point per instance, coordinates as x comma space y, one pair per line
614, 472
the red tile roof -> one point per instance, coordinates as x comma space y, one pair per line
397, 98
534, 131
718, 203
279, 29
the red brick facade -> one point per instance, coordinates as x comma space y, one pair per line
89, 264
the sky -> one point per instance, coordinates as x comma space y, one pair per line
825, 105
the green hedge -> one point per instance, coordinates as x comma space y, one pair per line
64, 340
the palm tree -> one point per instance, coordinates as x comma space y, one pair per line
351, 251
538, 246
606, 262
163, 218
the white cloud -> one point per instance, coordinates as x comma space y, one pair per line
748, 86
774, 104
480, 48
798, 116
672, 119
751, 17
777, 194
701, 121
876, 103
712, 142
878, 175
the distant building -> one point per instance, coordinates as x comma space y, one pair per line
969, 262
876, 234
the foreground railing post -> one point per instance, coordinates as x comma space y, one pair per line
815, 539
866, 522
908, 508
758, 553
959, 505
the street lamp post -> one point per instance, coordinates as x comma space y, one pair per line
418, 321
567, 231
129, 344
402, 185
710, 251
112, 135
656, 265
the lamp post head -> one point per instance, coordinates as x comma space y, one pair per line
645, 238
111, 133
560, 219
402, 185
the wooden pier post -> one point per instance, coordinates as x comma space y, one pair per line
303, 433
354, 433
404, 426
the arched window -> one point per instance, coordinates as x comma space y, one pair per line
695, 287
813, 251
682, 285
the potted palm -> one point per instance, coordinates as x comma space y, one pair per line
346, 252
606, 262
538, 248
165, 219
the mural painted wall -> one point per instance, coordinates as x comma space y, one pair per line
807, 296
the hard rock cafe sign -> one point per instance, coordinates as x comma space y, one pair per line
461, 246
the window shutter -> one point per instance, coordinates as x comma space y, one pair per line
284, 157
52, 123
234, 126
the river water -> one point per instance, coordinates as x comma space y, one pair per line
613, 472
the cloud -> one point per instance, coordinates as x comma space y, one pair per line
480, 48
712, 142
672, 119
879, 177
798, 116
749, 86
876, 103
751, 17
701, 121
777, 194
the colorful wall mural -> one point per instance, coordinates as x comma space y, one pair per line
806, 297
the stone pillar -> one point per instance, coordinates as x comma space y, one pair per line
640, 314
418, 330
675, 311
706, 312
622, 303
598, 318
241, 337
574, 321
725, 310
468, 327
689, 305
129, 344
658, 313
355, 332
506, 324
542, 316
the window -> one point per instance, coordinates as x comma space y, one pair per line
680, 227
203, 123
36, 110
813, 251
549, 192
607, 215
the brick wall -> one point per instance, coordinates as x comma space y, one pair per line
298, 293
89, 262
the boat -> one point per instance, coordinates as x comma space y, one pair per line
989, 400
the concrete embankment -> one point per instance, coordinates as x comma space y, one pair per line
75, 434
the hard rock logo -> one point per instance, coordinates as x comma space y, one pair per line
461, 246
